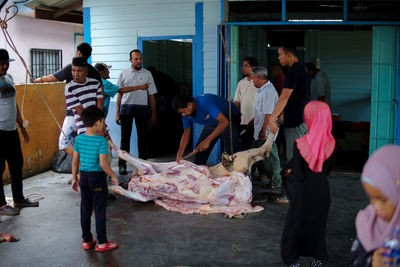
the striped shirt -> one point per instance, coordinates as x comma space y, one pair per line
89, 148
84, 95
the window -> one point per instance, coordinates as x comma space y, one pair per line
45, 61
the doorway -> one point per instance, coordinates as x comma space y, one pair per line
170, 62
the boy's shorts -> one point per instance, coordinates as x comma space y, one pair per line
69, 128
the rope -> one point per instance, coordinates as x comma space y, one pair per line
228, 60
3, 24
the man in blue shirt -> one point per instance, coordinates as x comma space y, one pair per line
110, 89
213, 112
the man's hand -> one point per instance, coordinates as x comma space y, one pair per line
273, 127
179, 157
25, 135
114, 180
75, 184
153, 120
379, 260
261, 135
144, 86
203, 145
117, 120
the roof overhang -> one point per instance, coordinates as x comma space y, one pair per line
63, 10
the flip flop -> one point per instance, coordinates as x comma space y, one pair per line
9, 238
90, 246
109, 246
282, 200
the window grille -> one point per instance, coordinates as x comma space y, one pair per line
45, 61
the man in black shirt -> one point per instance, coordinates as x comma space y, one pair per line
295, 95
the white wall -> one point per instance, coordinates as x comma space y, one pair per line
30, 33
116, 26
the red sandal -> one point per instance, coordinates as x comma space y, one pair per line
90, 246
109, 246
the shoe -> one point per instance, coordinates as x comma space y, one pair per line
70, 181
26, 202
122, 170
109, 246
90, 246
8, 210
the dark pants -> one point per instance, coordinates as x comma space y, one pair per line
10, 151
93, 195
246, 136
142, 129
201, 157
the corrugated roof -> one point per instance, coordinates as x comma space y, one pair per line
52, 3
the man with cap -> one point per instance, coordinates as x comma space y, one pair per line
10, 143
65, 74
110, 89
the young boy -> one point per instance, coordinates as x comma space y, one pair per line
91, 149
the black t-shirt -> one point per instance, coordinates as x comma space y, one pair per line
299, 80
65, 74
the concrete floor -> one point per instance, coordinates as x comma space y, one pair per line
152, 236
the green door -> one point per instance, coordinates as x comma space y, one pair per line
384, 79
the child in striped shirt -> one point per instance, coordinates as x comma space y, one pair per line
82, 92
91, 149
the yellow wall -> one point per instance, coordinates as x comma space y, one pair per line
43, 130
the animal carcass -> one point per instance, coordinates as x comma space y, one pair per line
189, 188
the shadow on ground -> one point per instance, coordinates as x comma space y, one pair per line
152, 236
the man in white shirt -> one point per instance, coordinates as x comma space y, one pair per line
265, 103
139, 105
245, 99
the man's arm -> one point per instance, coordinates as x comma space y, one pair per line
119, 98
222, 124
78, 109
280, 105
261, 134
20, 124
46, 79
127, 89
153, 119
75, 164
100, 103
237, 103
184, 141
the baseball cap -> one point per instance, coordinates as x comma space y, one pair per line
102, 66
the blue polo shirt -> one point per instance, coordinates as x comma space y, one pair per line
208, 107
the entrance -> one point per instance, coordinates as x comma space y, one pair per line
345, 54
170, 62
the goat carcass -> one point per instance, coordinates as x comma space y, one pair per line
189, 188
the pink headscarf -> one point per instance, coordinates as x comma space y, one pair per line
382, 171
318, 144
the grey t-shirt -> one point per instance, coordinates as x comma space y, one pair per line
8, 105
321, 87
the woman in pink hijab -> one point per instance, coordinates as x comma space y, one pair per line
381, 182
305, 227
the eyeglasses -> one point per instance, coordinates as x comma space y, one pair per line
246, 66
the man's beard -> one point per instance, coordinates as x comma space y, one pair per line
137, 68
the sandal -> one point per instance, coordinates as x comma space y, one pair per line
282, 200
109, 246
90, 245
8, 238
